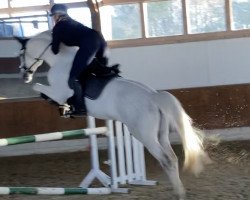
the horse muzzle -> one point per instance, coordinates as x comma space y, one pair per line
27, 76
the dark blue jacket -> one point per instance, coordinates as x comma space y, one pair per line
69, 32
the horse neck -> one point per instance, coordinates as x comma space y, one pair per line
49, 57
46, 39
65, 56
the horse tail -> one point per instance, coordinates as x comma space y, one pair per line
192, 140
191, 137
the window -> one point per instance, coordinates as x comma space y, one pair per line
6, 30
24, 24
241, 14
29, 17
2, 15
137, 22
81, 15
206, 16
68, 1
33, 25
163, 18
4, 4
121, 22
10, 27
24, 14
26, 3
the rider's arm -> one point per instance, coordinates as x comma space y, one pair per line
55, 41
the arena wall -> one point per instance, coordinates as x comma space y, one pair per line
210, 78
210, 107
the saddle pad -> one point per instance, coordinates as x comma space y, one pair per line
93, 85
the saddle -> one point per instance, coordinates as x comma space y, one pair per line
96, 78
93, 85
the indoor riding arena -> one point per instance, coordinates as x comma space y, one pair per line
198, 51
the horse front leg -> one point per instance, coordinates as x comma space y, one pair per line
53, 93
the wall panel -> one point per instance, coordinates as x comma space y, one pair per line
210, 108
217, 107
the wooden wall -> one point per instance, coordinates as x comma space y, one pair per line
10, 66
210, 108
217, 107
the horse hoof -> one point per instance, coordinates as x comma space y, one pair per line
64, 111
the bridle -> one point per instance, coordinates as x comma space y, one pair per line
23, 63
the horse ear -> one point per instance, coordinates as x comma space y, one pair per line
22, 41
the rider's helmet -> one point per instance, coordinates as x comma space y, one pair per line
60, 9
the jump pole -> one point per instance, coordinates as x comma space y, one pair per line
52, 136
53, 191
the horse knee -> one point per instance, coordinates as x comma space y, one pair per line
169, 162
155, 150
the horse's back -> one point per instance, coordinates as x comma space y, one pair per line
125, 101
131, 87
128, 91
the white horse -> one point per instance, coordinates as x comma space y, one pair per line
149, 115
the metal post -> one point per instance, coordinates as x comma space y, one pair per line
95, 171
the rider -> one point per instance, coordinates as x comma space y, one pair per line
91, 45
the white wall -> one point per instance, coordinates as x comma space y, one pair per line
193, 64
9, 48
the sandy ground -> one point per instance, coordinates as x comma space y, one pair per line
228, 178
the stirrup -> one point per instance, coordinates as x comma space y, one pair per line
64, 110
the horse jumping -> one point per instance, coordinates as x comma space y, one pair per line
149, 115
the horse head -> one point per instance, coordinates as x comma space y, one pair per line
23, 41
30, 57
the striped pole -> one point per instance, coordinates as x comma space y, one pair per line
52, 191
51, 136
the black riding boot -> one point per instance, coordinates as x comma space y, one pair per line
78, 100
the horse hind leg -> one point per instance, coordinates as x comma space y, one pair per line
170, 160
152, 130
170, 165
164, 153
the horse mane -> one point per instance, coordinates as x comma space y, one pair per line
44, 35
45, 38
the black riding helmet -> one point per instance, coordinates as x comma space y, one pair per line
58, 9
